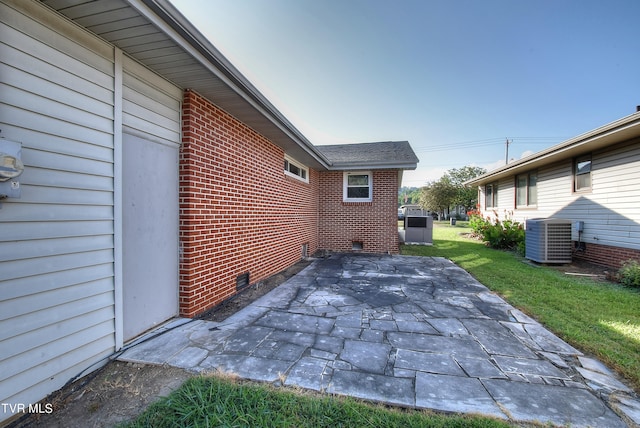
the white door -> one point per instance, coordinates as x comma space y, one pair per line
150, 234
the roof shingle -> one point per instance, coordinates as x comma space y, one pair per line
380, 155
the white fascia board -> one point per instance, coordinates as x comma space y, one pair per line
205, 52
337, 166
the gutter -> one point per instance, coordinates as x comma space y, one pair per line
224, 70
339, 166
620, 130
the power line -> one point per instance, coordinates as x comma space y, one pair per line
530, 141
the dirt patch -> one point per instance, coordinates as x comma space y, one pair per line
581, 268
248, 295
120, 391
114, 394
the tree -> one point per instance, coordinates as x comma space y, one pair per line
438, 195
465, 196
408, 195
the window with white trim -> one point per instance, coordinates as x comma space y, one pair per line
358, 186
295, 169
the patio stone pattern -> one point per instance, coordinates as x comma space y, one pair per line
416, 332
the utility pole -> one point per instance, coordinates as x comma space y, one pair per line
506, 150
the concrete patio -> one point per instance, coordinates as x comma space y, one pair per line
409, 331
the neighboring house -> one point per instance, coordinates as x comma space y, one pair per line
593, 178
157, 182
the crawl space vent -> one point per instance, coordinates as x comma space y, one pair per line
242, 281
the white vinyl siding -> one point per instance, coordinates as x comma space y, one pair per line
56, 241
609, 211
68, 97
505, 196
151, 105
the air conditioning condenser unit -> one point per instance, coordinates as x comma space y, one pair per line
548, 240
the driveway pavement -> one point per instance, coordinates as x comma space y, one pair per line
409, 331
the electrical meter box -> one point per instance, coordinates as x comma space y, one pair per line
11, 168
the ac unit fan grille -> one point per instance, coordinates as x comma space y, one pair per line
548, 240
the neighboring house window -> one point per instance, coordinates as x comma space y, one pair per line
358, 186
582, 173
296, 169
491, 195
526, 190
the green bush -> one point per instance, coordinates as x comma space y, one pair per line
629, 273
504, 234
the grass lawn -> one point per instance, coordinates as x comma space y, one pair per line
215, 401
599, 318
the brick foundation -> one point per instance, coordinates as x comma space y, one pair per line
606, 255
374, 224
239, 212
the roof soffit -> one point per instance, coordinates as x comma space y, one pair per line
157, 35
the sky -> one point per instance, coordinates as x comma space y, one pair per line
455, 78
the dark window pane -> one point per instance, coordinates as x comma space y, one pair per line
358, 192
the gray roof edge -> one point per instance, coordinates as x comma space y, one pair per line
610, 131
346, 166
407, 161
168, 13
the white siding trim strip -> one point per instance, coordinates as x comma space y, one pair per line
118, 201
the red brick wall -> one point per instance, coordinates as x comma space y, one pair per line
239, 212
606, 255
375, 223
